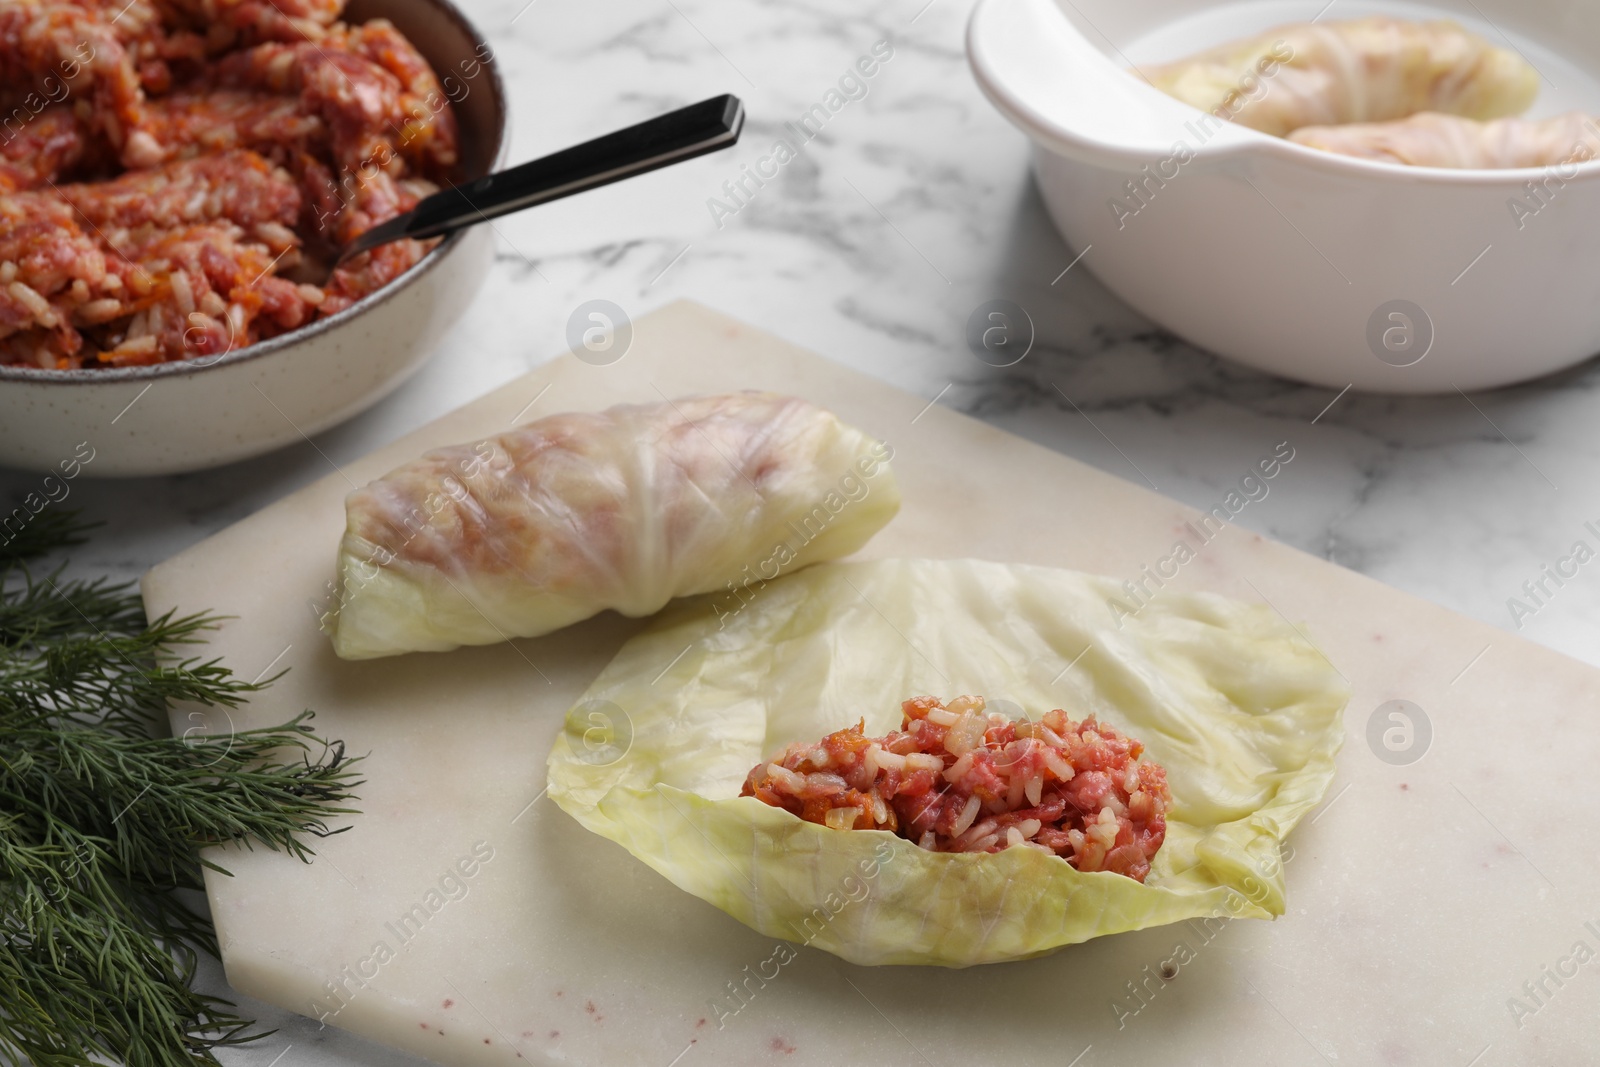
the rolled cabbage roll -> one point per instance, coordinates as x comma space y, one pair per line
549, 523
1434, 140
1364, 70
1241, 710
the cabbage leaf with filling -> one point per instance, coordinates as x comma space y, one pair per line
1238, 706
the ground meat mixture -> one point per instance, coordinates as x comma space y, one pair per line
176, 175
42, 149
957, 779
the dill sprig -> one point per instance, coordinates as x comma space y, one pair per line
46, 532
102, 816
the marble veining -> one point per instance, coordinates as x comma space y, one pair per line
913, 206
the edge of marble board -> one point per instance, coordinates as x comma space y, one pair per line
662, 336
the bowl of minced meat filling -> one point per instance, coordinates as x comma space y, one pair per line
176, 180
960, 778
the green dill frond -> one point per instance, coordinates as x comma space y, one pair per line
102, 818
50, 530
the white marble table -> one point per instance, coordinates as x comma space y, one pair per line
914, 206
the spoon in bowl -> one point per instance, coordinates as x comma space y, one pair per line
709, 126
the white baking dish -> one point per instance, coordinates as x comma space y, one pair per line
1323, 268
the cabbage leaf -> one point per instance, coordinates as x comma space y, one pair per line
1244, 713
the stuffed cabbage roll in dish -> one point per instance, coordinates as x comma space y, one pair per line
1434, 140
549, 523
1365, 70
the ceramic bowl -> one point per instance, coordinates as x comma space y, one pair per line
1322, 268
190, 415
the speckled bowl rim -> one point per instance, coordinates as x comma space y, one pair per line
274, 345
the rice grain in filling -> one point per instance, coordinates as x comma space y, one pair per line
173, 172
958, 778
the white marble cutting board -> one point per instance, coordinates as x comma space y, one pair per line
1422, 897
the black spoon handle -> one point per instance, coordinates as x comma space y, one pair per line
690, 131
